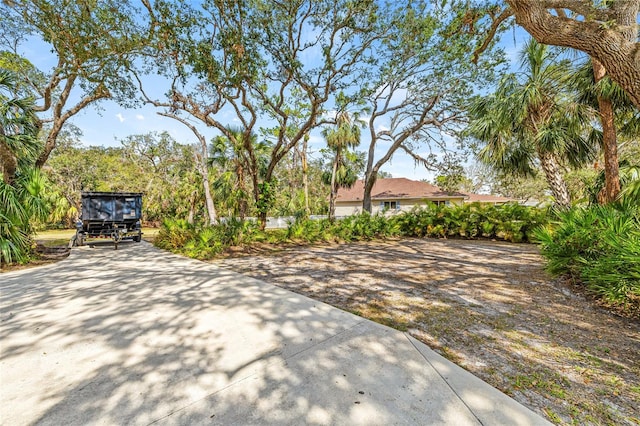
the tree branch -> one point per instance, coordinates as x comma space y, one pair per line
497, 21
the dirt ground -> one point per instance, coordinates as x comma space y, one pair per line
488, 306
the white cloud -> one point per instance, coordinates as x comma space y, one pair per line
139, 117
120, 117
382, 128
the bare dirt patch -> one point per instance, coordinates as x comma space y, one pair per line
487, 306
44, 255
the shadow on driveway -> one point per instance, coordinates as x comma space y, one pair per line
137, 336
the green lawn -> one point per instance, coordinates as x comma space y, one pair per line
61, 237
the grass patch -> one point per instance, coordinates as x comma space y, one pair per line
59, 242
555, 418
547, 382
61, 237
150, 234
56, 235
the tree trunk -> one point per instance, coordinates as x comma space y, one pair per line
242, 204
369, 181
554, 178
211, 209
8, 162
609, 141
334, 190
305, 175
50, 144
201, 164
262, 220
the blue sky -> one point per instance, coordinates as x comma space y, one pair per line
108, 123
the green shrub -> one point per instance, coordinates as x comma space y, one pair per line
234, 232
205, 243
598, 246
307, 230
202, 242
615, 276
475, 220
365, 227
511, 222
174, 234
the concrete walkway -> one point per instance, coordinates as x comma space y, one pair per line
139, 336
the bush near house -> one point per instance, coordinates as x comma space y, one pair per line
510, 222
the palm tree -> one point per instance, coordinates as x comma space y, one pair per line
531, 121
228, 154
21, 186
617, 114
18, 128
345, 135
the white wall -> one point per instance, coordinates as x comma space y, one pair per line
349, 208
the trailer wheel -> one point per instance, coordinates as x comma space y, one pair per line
117, 237
137, 239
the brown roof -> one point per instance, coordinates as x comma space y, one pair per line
396, 188
487, 198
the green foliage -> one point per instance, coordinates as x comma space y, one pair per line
629, 182
366, 227
174, 234
344, 165
93, 45
598, 246
266, 197
352, 228
204, 242
151, 163
22, 187
531, 121
21, 204
510, 222
165, 171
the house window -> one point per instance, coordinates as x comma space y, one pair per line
391, 205
442, 203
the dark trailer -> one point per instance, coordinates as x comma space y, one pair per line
114, 215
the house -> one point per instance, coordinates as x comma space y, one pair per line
393, 195
401, 194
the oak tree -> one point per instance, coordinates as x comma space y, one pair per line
607, 31
93, 44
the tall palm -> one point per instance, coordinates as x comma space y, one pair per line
21, 186
618, 117
340, 139
228, 154
530, 121
18, 128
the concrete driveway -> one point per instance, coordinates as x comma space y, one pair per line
140, 336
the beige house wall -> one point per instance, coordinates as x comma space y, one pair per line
349, 208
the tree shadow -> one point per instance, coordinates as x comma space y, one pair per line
487, 305
137, 336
